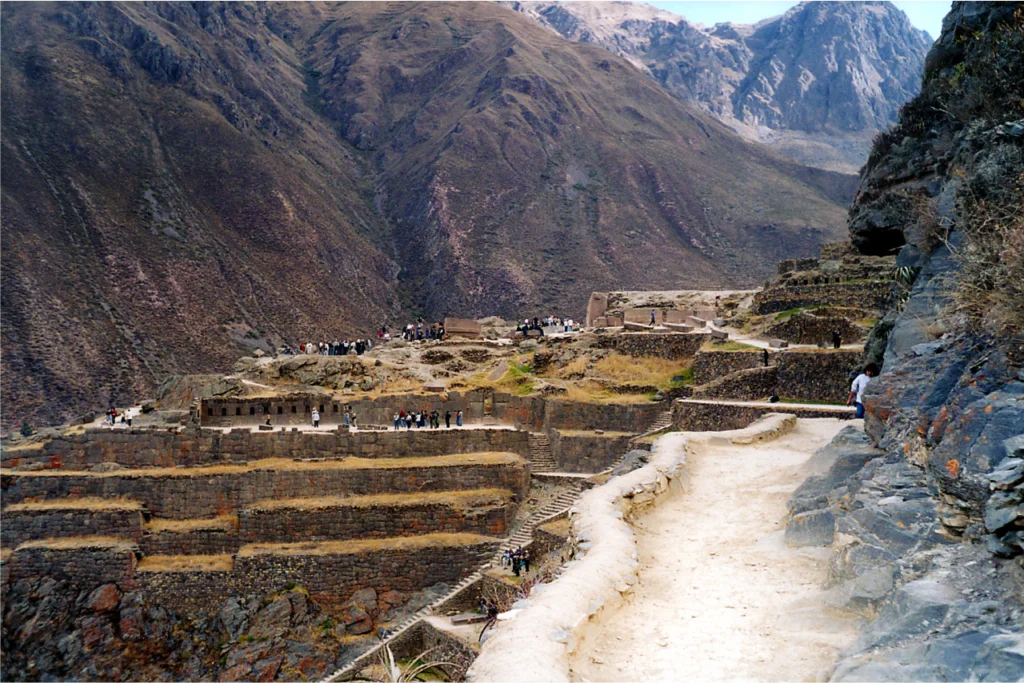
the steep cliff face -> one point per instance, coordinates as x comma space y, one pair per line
928, 510
816, 83
183, 182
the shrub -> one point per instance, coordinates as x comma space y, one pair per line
26, 429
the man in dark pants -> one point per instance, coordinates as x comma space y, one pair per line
764, 356
837, 339
448, 419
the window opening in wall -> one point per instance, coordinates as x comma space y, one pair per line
295, 409
223, 412
321, 408
209, 412
280, 409
252, 410
335, 406
238, 410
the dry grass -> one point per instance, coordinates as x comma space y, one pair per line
456, 499
365, 545
80, 543
280, 464
590, 432
595, 392
5, 554
30, 446
643, 370
184, 526
76, 504
729, 345
186, 563
576, 366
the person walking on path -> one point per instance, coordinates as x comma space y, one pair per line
765, 356
652, 318
316, 418
837, 339
458, 419
859, 385
396, 422
448, 419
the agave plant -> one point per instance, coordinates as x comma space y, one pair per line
393, 672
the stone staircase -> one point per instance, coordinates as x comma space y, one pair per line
522, 535
541, 459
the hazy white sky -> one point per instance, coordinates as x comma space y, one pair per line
924, 14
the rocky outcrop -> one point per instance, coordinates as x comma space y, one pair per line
816, 82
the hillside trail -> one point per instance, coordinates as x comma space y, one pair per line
720, 596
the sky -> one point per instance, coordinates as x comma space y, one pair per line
924, 14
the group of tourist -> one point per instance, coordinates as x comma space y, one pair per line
423, 331
563, 324
126, 417
517, 560
422, 419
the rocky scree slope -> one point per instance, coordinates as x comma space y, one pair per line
816, 83
183, 182
926, 511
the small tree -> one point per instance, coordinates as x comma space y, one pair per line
26, 429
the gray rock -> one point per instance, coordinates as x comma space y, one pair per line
233, 617
813, 528
1003, 509
1009, 473
917, 607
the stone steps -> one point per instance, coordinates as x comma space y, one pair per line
541, 458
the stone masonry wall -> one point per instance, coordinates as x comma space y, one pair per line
618, 417
710, 365
29, 525
871, 295
196, 495
83, 567
331, 578
158, 448
194, 542
749, 384
671, 346
342, 522
589, 453
805, 328
693, 416
817, 375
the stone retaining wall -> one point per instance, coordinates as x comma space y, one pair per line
695, 416
330, 578
671, 346
343, 522
158, 448
710, 365
871, 295
194, 542
747, 385
83, 567
618, 417
198, 494
807, 328
30, 525
818, 375
590, 453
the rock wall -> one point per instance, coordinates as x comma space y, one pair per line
671, 346
216, 541
809, 328
282, 524
618, 417
818, 375
83, 566
751, 384
591, 453
26, 525
710, 365
331, 578
870, 295
194, 494
159, 448
702, 416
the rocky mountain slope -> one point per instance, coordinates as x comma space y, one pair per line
816, 83
926, 514
185, 181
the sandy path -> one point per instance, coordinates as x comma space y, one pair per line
720, 595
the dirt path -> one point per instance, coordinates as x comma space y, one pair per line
720, 595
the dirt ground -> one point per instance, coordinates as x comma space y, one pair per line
720, 595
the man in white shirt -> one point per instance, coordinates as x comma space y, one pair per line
858, 387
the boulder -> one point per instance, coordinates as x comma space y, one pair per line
813, 528
104, 599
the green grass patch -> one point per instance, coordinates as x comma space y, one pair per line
729, 346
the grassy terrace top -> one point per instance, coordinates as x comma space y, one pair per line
121, 504
285, 464
184, 526
80, 543
458, 499
186, 563
365, 545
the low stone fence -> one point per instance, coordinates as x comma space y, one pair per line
20, 526
535, 645
671, 346
587, 452
194, 493
159, 448
708, 416
85, 563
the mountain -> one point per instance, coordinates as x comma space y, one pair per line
816, 83
184, 182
